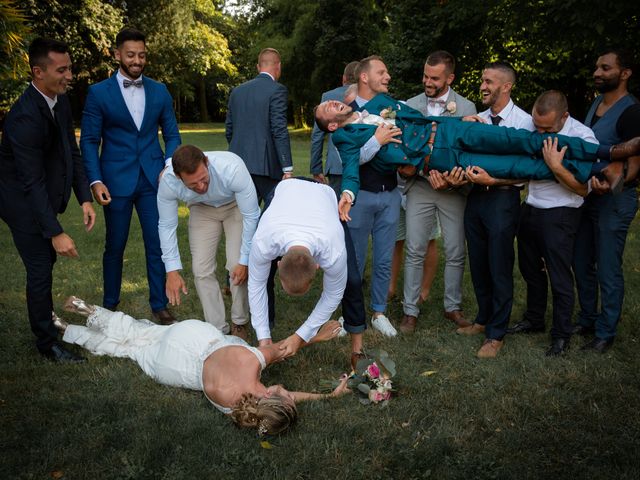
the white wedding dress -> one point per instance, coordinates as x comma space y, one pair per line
172, 354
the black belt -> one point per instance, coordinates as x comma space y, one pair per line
496, 188
378, 188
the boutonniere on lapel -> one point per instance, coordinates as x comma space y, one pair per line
451, 107
389, 113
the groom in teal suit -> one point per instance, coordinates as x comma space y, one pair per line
123, 158
445, 142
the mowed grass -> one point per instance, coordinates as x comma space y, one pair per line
520, 416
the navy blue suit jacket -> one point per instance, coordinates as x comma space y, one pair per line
256, 126
333, 164
106, 121
39, 165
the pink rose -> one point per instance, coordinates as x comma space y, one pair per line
375, 396
373, 371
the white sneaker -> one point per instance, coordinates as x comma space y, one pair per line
383, 325
342, 332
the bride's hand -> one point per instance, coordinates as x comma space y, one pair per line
342, 388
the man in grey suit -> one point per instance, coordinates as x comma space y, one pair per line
256, 125
424, 200
333, 166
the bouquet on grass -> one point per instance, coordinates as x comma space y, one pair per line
371, 380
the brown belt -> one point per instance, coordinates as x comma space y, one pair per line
432, 138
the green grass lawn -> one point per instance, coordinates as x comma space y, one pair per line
520, 416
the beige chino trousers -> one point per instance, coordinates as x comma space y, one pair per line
206, 225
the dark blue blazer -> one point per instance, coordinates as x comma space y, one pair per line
333, 164
39, 165
256, 126
107, 123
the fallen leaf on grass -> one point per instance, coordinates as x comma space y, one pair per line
405, 424
57, 474
428, 373
266, 445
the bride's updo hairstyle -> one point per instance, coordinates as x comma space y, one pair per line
270, 416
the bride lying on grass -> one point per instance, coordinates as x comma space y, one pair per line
196, 355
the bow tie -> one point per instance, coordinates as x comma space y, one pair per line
436, 102
127, 83
364, 114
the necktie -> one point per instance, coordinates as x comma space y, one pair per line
127, 83
496, 120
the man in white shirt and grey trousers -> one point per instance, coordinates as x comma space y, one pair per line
220, 194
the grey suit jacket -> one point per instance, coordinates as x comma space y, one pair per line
256, 126
463, 108
333, 165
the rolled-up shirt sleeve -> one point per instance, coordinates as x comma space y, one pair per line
333, 285
167, 227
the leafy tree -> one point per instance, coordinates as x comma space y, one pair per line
185, 46
551, 43
316, 40
14, 66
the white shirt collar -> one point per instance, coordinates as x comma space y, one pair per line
504, 113
51, 102
120, 77
360, 101
267, 73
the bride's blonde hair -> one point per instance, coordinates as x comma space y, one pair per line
270, 415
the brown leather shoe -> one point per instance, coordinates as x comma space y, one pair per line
240, 331
473, 329
490, 348
408, 324
164, 317
457, 317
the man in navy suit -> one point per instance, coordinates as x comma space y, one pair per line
256, 125
123, 114
39, 165
332, 174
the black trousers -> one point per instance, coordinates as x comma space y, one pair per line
490, 225
545, 248
264, 187
38, 257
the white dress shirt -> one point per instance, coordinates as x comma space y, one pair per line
511, 116
133, 98
550, 193
301, 214
229, 181
51, 102
437, 106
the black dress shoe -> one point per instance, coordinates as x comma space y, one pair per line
558, 347
598, 344
525, 326
57, 353
583, 331
164, 317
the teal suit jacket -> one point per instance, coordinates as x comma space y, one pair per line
503, 152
